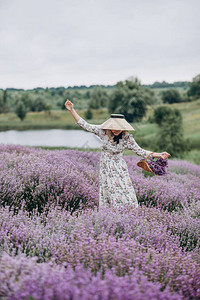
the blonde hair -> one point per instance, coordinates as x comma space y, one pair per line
110, 134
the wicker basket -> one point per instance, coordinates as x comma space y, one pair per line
144, 165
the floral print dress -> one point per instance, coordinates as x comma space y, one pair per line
115, 186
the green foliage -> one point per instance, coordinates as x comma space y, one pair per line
4, 107
149, 96
194, 87
170, 137
116, 97
20, 110
79, 95
171, 96
193, 156
161, 113
164, 84
88, 114
87, 95
27, 100
131, 99
99, 98
33, 103
39, 104
60, 91
5, 101
79, 98
1, 105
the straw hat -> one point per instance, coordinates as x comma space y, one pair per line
116, 122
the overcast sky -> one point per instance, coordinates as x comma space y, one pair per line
51, 43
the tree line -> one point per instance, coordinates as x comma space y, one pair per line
156, 84
129, 97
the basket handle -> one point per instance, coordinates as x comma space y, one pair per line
148, 156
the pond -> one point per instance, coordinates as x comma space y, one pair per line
51, 138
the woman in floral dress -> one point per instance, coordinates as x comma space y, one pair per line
115, 186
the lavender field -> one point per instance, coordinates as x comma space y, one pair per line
56, 244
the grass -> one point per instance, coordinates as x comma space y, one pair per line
60, 119
193, 156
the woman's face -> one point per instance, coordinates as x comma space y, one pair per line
116, 132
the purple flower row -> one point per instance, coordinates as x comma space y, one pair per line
123, 241
70, 178
23, 278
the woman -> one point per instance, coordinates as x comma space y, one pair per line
115, 184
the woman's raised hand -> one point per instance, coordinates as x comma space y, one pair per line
69, 105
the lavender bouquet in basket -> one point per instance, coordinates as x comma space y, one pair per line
159, 166
156, 167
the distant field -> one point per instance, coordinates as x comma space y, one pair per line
43, 120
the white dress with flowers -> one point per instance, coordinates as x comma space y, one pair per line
115, 186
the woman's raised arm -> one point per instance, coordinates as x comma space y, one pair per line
69, 105
82, 123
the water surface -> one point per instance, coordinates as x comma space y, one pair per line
51, 137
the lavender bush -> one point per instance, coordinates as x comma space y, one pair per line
48, 252
39, 177
46, 281
70, 178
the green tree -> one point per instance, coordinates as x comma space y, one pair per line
99, 98
20, 110
171, 135
194, 87
87, 95
116, 97
4, 107
27, 100
1, 103
60, 91
88, 114
171, 96
39, 104
161, 113
131, 99
5, 101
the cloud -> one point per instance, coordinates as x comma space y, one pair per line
54, 43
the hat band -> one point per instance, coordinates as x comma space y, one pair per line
117, 116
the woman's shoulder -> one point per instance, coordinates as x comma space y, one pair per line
127, 135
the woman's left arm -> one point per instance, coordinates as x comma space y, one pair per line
132, 145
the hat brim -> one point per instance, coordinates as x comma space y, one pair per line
116, 124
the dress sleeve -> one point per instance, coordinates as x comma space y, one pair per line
132, 145
90, 127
